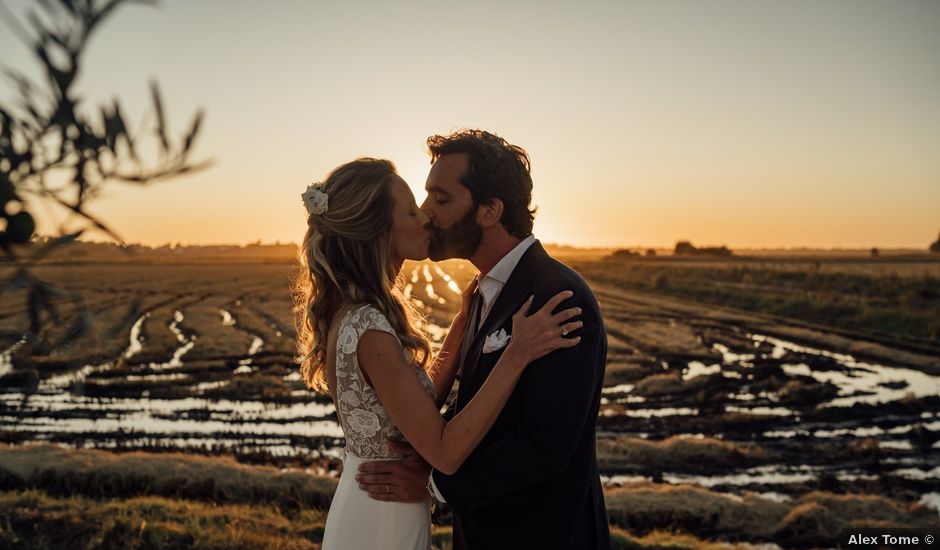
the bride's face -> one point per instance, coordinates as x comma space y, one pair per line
409, 235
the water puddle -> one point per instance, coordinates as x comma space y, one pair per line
64, 381
451, 283
164, 418
188, 343
774, 496
857, 381
146, 423
773, 474
256, 345
6, 356
729, 357
697, 368
770, 474
932, 500
770, 411
136, 345
863, 383
860, 432
622, 388
665, 411
917, 473
227, 319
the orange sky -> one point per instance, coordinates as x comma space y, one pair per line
751, 124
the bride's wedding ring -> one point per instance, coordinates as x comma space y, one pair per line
564, 330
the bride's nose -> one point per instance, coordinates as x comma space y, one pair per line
426, 205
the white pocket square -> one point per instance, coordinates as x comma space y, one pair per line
496, 341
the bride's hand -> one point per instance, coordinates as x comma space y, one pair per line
466, 297
543, 332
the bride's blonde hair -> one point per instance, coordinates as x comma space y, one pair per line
346, 257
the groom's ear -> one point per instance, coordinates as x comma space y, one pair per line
489, 214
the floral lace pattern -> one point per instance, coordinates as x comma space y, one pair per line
364, 420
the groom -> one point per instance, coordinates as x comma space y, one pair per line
533, 481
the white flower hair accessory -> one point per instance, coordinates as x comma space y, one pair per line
316, 201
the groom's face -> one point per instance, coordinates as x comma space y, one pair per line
453, 226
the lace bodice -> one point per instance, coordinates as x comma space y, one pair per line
364, 420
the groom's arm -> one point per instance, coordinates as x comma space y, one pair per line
558, 394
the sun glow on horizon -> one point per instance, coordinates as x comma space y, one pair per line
750, 125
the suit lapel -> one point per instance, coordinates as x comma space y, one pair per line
510, 299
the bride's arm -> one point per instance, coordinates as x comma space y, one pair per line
448, 358
445, 445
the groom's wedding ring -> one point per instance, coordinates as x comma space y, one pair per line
386, 490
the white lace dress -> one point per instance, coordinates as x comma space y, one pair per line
356, 521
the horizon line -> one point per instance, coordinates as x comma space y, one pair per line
276, 242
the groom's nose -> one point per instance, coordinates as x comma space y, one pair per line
426, 209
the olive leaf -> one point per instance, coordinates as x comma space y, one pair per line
46, 130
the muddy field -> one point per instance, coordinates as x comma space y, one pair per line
200, 358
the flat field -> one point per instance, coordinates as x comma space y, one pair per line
788, 382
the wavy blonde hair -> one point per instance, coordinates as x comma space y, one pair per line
346, 258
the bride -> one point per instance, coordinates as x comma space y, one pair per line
360, 340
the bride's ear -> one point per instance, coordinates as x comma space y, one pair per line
489, 214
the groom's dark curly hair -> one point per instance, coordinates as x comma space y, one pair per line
497, 170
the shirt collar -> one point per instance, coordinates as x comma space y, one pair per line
493, 282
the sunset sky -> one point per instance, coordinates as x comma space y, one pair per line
747, 123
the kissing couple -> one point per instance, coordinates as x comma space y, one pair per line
513, 455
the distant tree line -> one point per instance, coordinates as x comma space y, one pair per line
84, 251
685, 248
627, 253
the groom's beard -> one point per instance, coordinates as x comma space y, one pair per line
458, 241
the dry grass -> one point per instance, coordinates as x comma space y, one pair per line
669, 383
816, 518
883, 298
666, 540
660, 337
33, 519
646, 506
819, 518
621, 371
102, 474
659, 384
631, 453
139, 500
214, 338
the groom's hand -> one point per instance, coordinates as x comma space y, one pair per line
404, 480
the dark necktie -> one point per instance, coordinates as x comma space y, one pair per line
476, 307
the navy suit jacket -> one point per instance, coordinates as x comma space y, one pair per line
533, 481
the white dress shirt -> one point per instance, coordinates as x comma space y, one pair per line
490, 287
494, 281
